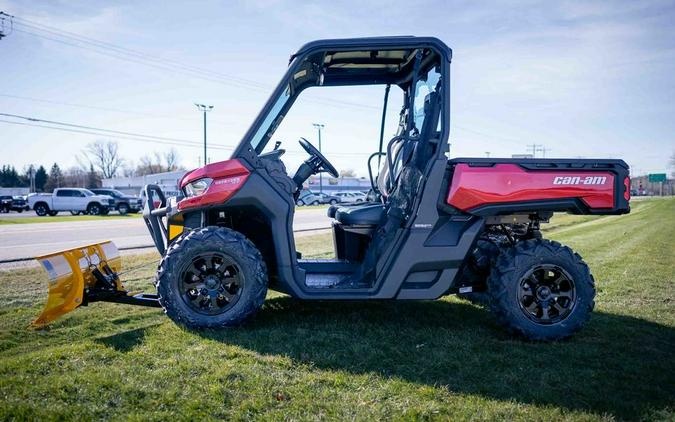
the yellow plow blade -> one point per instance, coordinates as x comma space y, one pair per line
73, 272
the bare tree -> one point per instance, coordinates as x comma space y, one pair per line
347, 173
671, 163
172, 160
105, 157
158, 163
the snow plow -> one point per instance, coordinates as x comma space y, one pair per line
83, 275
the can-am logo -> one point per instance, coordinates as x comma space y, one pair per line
577, 180
228, 181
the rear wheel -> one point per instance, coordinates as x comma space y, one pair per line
299, 202
315, 202
53, 213
211, 278
333, 201
74, 212
541, 290
41, 210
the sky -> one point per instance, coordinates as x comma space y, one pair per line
583, 79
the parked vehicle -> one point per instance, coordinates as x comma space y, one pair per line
307, 198
6, 203
440, 226
351, 197
19, 203
328, 199
122, 203
70, 199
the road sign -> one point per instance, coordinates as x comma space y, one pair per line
657, 177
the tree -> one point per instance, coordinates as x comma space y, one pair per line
9, 177
671, 163
104, 156
158, 163
93, 179
55, 179
40, 179
172, 160
347, 173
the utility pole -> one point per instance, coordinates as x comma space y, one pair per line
534, 148
204, 109
487, 154
318, 127
543, 150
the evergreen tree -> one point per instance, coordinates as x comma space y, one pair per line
40, 179
55, 178
93, 179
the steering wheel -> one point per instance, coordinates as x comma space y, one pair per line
323, 164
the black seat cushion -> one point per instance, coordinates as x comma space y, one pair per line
369, 215
332, 210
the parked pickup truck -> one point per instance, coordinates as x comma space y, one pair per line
70, 199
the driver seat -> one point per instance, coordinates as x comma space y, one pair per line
364, 215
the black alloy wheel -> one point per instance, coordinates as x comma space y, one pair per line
211, 283
547, 294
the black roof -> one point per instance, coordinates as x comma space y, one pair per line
373, 43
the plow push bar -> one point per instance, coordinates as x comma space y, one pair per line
153, 213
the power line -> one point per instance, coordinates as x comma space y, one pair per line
63, 129
117, 132
110, 109
123, 53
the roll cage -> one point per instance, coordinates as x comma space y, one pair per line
349, 62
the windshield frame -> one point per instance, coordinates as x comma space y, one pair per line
265, 116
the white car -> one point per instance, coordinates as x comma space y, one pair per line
351, 197
75, 200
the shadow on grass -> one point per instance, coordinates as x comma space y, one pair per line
124, 341
619, 365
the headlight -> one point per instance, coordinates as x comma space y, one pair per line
197, 187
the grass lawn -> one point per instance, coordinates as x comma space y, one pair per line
444, 359
62, 217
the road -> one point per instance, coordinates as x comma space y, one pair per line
29, 240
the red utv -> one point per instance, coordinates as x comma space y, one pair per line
435, 226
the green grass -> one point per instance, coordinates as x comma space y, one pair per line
444, 359
61, 218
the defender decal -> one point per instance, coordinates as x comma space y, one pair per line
577, 180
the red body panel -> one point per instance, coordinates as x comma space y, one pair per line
228, 177
473, 187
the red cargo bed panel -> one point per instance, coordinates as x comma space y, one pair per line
476, 186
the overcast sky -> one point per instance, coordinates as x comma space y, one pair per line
591, 79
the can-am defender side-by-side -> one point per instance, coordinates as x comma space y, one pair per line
433, 226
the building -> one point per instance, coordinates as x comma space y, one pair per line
641, 185
168, 181
14, 191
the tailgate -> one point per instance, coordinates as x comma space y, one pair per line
485, 186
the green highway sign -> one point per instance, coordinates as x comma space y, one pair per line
657, 177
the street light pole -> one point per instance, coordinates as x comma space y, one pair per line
318, 127
204, 108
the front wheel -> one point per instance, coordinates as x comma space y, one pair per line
315, 202
299, 202
541, 290
211, 278
123, 209
94, 209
